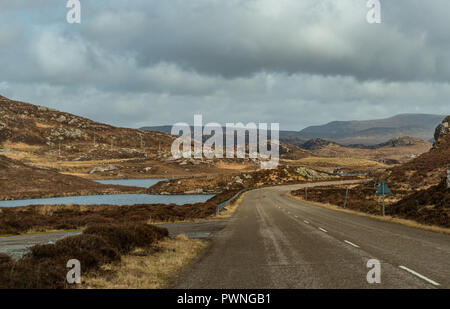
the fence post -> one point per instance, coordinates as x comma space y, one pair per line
346, 196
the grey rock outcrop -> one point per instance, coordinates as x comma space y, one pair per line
100, 169
448, 178
442, 129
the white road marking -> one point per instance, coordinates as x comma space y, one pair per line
323, 230
419, 275
306, 221
351, 244
296, 216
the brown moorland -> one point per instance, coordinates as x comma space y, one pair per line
44, 267
41, 218
47, 138
419, 187
20, 181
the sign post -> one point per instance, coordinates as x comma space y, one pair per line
346, 196
383, 190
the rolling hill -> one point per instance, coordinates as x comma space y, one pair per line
46, 138
394, 151
367, 132
370, 132
51, 133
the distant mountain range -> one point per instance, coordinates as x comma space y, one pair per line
366, 132
370, 132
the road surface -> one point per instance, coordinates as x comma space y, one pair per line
17, 246
274, 241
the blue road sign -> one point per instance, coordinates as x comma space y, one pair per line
383, 189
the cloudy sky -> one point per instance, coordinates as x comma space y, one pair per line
296, 62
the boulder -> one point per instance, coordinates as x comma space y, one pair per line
100, 169
61, 118
196, 191
442, 129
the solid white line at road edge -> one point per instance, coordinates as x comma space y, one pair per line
323, 230
419, 275
351, 244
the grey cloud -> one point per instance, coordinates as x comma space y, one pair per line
297, 62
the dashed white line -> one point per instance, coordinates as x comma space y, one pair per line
306, 221
351, 244
323, 230
419, 275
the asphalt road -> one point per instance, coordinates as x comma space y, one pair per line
17, 246
274, 241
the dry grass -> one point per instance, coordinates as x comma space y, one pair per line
226, 213
344, 162
230, 209
20, 146
148, 269
232, 166
43, 125
409, 223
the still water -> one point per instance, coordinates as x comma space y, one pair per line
113, 199
144, 183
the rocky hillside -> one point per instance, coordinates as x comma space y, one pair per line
283, 174
431, 206
420, 187
47, 138
429, 168
316, 143
52, 133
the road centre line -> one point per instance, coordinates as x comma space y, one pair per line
351, 244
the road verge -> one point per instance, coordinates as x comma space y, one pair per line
409, 223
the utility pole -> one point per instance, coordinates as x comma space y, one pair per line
59, 150
306, 194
